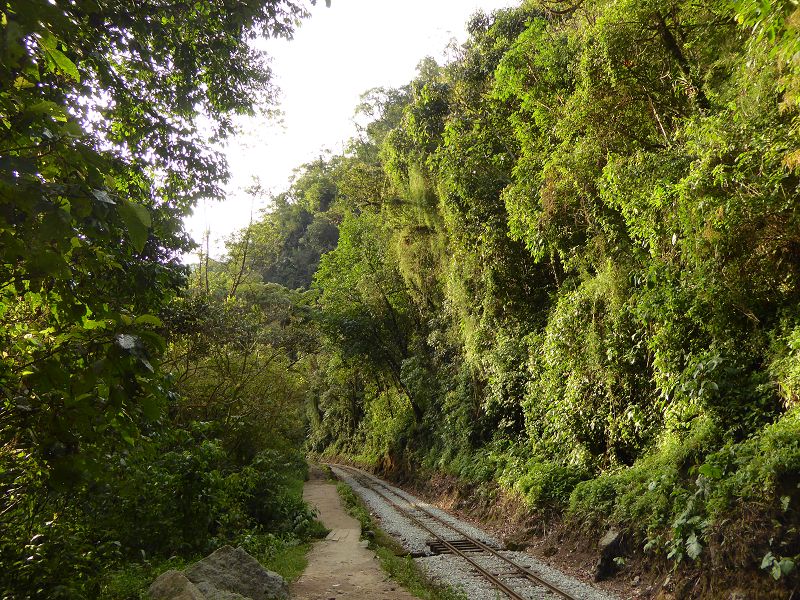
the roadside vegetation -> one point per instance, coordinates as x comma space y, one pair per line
147, 416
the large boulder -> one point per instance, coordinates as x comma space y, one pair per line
211, 593
232, 574
173, 585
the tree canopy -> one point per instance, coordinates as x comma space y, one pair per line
109, 117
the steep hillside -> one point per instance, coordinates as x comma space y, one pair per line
568, 263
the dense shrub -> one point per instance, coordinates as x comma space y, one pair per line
677, 499
178, 493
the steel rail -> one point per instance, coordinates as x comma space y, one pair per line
521, 569
486, 548
494, 580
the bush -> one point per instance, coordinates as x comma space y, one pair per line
674, 497
178, 493
644, 498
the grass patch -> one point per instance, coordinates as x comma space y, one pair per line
132, 581
393, 558
289, 562
285, 556
407, 573
329, 476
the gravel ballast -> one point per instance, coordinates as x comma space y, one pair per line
411, 538
452, 570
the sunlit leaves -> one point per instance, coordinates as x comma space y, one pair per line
604, 203
60, 60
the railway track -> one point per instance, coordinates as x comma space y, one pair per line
467, 547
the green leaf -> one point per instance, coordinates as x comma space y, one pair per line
151, 407
21, 83
693, 547
786, 566
710, 471
102, 196
147, 320
93, 324
62, 61
137, 221
46, 107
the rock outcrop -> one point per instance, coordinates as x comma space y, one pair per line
227, 574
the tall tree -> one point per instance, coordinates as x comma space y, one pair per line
108, 115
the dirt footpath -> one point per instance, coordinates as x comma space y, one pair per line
340, 567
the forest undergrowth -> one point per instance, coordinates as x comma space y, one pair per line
147, 416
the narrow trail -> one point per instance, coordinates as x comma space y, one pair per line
340, 567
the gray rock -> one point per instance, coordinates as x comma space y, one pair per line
173, 585
231, 574
609, 547
211, 593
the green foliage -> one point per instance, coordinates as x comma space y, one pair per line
286, 244
581, 268
785, 365
179, 493
102, 155
677, 499
131, 583
776, 566
543, 484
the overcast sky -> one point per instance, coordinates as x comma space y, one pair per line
336, 55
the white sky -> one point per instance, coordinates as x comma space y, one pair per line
336, 55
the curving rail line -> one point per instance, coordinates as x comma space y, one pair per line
372, 483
